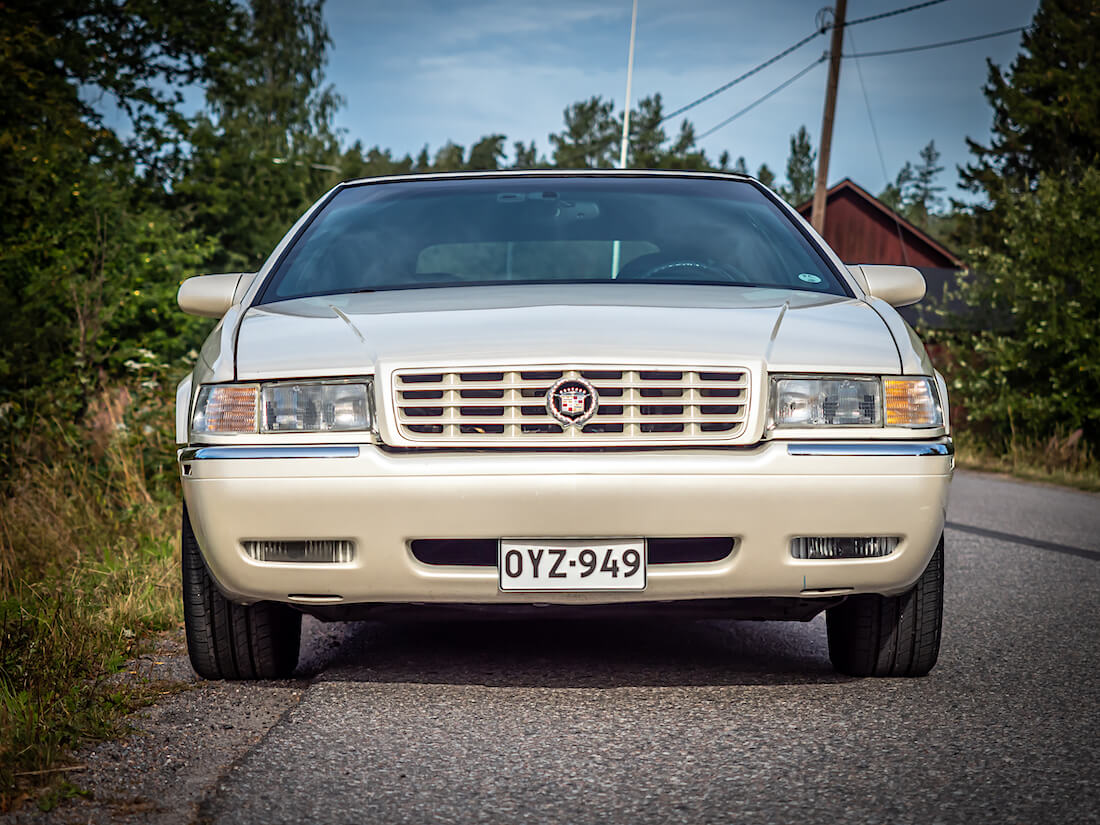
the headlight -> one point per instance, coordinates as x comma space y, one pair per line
853, 401
283, 406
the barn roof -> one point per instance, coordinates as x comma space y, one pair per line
864, 230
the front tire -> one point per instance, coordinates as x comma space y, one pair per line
871, 635
233, 641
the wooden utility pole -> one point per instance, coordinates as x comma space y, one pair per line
817, 216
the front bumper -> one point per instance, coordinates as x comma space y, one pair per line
761, 496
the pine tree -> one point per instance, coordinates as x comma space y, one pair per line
589, 138
647, 138
765, 175
682, 154
914, 194
1046, 107
896, 194
800, 168
527, 157
1028, 367
487, 153
924, 197
449, 158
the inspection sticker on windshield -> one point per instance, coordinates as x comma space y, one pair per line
810, 278
572, 564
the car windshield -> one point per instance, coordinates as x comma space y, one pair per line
553, 229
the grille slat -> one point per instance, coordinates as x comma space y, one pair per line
604, 419
689, 382
686, 397
505, 405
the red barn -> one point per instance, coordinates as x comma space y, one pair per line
864, 230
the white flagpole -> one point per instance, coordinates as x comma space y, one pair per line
616, 248
629, 80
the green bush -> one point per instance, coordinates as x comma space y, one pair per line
1030, 367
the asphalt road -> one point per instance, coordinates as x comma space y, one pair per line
664, 721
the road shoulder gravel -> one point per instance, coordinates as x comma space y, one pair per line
179, 750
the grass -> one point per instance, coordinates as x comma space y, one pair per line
88, 568
1066, 461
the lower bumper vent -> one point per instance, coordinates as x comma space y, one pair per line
319, 551
842, 547
483, 552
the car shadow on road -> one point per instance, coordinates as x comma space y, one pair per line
600, 653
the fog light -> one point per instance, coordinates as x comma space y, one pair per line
842, 547
321, 551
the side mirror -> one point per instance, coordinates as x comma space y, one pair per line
212, 295
897, 285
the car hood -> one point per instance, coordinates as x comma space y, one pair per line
629, 324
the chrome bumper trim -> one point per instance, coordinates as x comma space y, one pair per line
257, 451
880, 448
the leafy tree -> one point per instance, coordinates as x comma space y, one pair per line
81, 230
800, 168
265, 148
766, 176
90, 284
590, 136
741, 167
139, 54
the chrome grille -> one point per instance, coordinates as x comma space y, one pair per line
507, 405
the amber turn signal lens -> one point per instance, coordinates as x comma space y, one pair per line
226, 408
910, 402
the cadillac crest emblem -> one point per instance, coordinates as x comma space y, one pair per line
572, 401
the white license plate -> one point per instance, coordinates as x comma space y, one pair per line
571, 564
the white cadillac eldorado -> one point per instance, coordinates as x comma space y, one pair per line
561, 392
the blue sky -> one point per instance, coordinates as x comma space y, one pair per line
425, 71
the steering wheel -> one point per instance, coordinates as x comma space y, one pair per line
674, 268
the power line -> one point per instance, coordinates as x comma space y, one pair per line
939, 45
885, 14
792, 48
761, 99
745, 76
824, 57
878, 148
